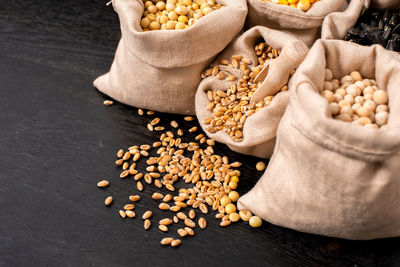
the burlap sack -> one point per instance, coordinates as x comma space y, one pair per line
382, 4
160, 70
330, 177
259, 130
337, 24
306, 26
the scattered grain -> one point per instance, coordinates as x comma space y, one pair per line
103, 183
147, 214
108, 201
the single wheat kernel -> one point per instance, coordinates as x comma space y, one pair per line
120, 153
136, 157
139, 186
219, 215
147, 214
138, 176
224, 62
225, 223
155, 121
236, 164
129, 207
119, 162
144, 153
181, 232
163, 228
179, 132
122, 213
167, 198
157, 183
157, 144
174, 124
108, 102
130, 213
124, 174
140, 112
163, 206
188, 118
165, 221
166, 241
202, 223
148, 178
150, 127
230, 78
134, 198
150, 112
175, 219
193, 129
175, 208
190, 223
147, 224
189, 231
125, 165
180, 204
176, 243
159, 128
170, 187
103, 183
192, 214
108, 201
203, 208
126, 156
145, 147
181, 215
157, 196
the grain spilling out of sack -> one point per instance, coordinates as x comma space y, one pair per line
230, 108
357, 100
175, 14
211, 181
303, 5
377, 27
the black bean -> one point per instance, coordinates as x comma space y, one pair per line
377, 27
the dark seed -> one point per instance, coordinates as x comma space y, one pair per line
377, 27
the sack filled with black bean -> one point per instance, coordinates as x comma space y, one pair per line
377, 27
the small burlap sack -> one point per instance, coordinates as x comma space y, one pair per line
382, 4
259, 130
335, 15
327, 176
160, 70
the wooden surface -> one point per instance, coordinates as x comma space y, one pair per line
57, 140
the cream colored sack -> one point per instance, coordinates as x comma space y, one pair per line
382, 4
259, 130
160, 70
336, 16
330, 177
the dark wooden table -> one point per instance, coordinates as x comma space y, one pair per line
57, 140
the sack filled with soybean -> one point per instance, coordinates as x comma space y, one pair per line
160, 69
336, 164
244, 94
305, 19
